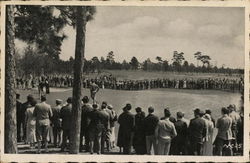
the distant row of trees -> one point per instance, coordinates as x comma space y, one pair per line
35, 63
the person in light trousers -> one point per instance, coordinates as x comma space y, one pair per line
164, 132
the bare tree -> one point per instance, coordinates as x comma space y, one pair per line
83, 15
10, 134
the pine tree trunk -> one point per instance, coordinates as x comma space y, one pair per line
77, 87
10, 134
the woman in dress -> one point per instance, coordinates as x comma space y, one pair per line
31, 124
208, 143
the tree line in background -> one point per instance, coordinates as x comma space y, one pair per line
35, 62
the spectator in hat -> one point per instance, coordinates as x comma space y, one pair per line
57, 123
139, 141
164, 133
66, 122
43, 113
197, 131
112, 125
179, 143
150, 124
85, 122
224, 136
126, 129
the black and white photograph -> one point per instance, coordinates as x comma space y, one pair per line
115, 80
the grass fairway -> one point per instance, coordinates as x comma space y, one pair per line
176, 99
139, 75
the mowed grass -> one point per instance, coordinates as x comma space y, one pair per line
140, 75
175, 99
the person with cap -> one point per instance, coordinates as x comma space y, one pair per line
112, 125
24, 107
57, 123
197, 131
18, 116
85, 121
179, 143
66, 115
126, 129
30, 121
150, 123
43, 113
164, 133
139, 140
224, 136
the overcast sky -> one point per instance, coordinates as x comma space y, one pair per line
147, 32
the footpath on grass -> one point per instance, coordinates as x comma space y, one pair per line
25, 149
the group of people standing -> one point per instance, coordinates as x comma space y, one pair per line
149, 134
111, 82
170, 136
234, 85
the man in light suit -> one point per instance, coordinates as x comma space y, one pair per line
224, 135
43, 113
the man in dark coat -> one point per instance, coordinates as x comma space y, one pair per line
18, 117
97, 126
139, 141
179, 142
126, 129
25, 105
66, 122
85, 121
197, 131
150, 124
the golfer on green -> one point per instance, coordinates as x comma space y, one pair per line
93, 90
